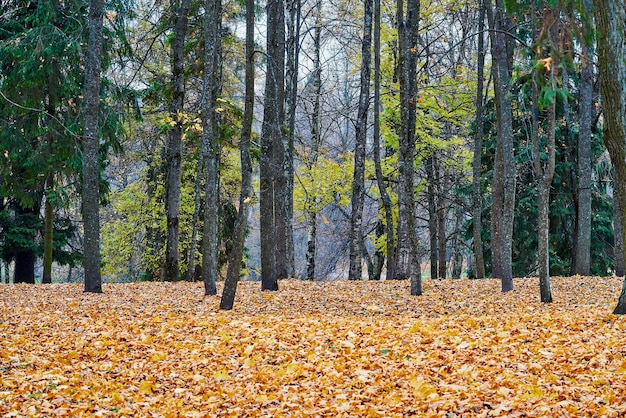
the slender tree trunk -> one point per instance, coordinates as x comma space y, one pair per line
293, 62
174, 150
442, 209
432, 217
546, 174
407, 264
358, 183
477, 207
584, 168
315, 142
210, 142
503, 188
191, 266
48, 232
91, 166
272, 148
610, 19
618, 244
380, 180
239, 234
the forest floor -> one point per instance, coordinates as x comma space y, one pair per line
351, 349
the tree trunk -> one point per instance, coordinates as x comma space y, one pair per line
477, 207
210, 142
239, 234
584, 168
91, 167
432, 217
442, 209
293, 55
380, 180
618, 244
407, 264
503, 188
358, 182
610, 19
272, 148
191, 265
545, 173
48, 241
174, 150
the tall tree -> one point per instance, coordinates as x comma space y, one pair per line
380, 180
174, 148
272, 168
610, 17
407, 265
239, 234
210, 141
91, 137
503, 186
477, 206
582, 257
358, 182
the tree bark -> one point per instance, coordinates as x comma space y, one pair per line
272, 149
239, 234
380, 180
584, 167
91, 166
610, 16
358, 182
477, 207
191, 264
174, 150
503, 189
407, 264
618, 244
210, 142
432, 217
48, 242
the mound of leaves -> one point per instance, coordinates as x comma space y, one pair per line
463, 349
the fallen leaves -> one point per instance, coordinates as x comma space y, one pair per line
314, 349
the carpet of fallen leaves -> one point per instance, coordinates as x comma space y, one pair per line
340, 349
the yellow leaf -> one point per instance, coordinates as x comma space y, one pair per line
324, 219
145, 387
221, 374
158, 356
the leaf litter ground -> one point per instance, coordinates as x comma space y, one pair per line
334, 349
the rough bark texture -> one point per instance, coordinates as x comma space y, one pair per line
174, 150
477, 207
407, 265
582, 244
272, 148
618, 244
610, 18
432, 217
503, 186
191, 264
91, 167
210, 142
48, 243
380, 180
358, 182
239, 233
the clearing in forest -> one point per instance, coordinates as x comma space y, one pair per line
334, 349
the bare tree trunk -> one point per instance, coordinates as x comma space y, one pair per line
442, 210
293, 55
48, 232
610, 18
196, 217
380, 181
91, 167
239, 234
358, 183
477, 207
585, 115
503, 189
174, 150
407, 264
432, 217
272, 149
618, 244
315, 142
210, 142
